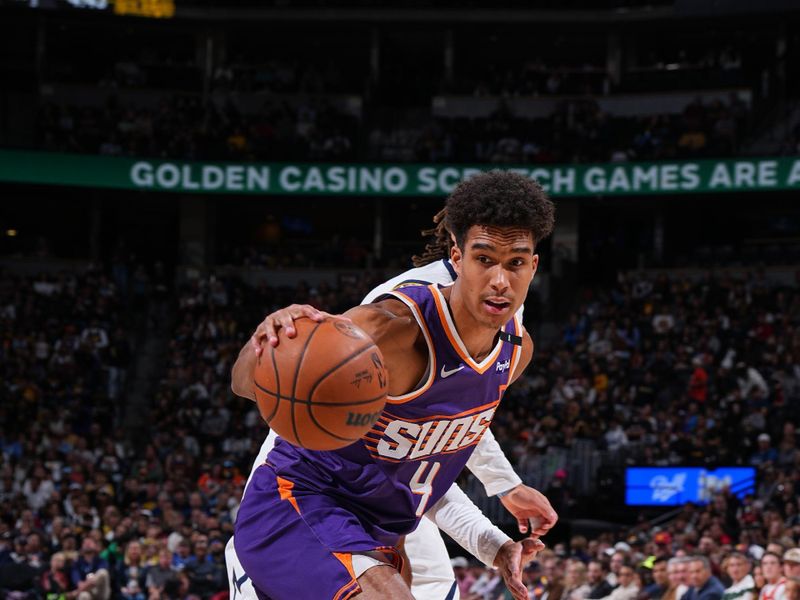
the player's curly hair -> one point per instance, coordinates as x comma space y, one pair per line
500, 199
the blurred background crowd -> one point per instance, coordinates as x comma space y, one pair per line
654, 371
666, 324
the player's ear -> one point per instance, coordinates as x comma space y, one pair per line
455, 257
535, 264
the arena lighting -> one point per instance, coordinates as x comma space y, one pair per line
156, 9
11, 232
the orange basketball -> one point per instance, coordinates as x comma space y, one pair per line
324, 388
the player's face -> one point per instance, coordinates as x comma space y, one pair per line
495, 270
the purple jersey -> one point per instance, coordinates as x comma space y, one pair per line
418, 447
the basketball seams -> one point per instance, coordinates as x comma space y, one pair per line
322, 427
318, 403
325, 429
336, 367
294, 383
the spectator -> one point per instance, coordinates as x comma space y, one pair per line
742, 586
183, 555
464, 577
660, 584
205, 576
486, 586
677, 572
618, 559
576, 581
628, 587
131, 568
161, 576
704, 586
758, 578
56, 581
553, 577
775, 584
596, 573
791, 563
765, 454
90, 573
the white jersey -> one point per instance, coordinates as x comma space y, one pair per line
432, 575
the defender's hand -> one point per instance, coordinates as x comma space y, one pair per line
530, 507
511, 559
268, 329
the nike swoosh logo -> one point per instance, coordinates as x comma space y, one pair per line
445, 373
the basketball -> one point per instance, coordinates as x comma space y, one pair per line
324, 388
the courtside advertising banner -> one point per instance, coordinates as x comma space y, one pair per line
331, 179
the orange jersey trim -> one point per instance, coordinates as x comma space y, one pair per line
465, 413
454, 338
350, 588
285, 488
431, 352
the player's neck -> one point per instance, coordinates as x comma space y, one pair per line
478, 339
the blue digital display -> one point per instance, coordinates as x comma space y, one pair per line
674, 486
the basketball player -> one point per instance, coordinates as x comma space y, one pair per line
341, 515
455, 514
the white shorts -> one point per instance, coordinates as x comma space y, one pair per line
431, 574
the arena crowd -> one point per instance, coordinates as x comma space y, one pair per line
654, 371
182, 127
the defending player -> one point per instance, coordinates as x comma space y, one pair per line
338, 514
432, 574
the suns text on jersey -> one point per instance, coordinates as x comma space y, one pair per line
411, 440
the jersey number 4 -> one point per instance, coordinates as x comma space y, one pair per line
424, 487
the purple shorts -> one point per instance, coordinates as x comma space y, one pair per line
283, 554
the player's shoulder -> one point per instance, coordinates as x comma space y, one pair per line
439, 271
388, 318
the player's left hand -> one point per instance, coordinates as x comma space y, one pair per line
531, 508
511, 559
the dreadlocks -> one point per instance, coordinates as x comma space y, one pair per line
439, 246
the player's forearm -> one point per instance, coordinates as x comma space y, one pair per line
458, 517
242, 373
491, 467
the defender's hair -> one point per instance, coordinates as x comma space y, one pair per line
439, 246
500, 199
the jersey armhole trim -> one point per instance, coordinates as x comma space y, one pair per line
428, 341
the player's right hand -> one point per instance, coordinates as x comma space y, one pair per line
511, 559
283, 318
